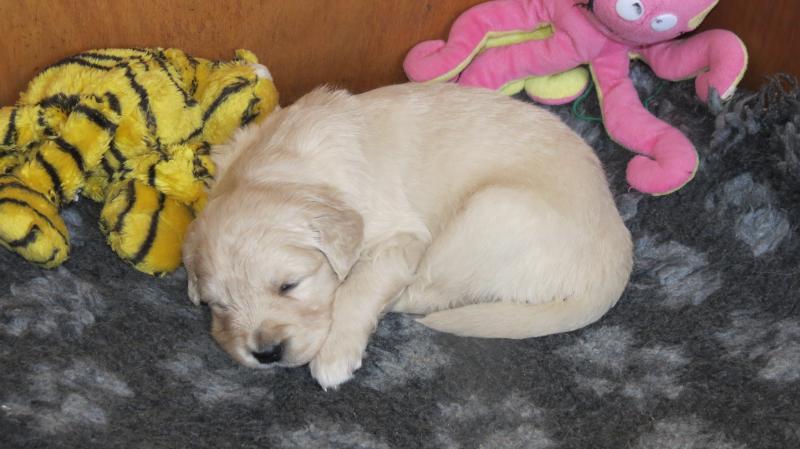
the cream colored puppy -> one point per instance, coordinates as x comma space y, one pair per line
487, 215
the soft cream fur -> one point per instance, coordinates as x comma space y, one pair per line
487, 215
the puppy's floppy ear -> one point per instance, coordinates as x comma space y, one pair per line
338, 232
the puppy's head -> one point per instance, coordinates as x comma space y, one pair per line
268, 260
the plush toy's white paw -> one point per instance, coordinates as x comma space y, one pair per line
336, 362
261, 71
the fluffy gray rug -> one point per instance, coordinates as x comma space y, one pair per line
702, 351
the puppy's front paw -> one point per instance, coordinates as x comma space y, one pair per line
336, 362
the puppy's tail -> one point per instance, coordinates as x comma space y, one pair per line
516, 320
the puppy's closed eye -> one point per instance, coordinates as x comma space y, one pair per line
286, 287
218, 307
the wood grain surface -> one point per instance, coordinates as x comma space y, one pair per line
769, 28
358, 44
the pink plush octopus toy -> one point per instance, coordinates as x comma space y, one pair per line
543, 45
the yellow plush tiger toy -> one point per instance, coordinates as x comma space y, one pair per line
131, 128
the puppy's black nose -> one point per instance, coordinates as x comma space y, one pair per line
269, 354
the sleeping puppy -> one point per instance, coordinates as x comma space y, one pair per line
484, 214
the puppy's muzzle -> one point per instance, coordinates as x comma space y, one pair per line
269, 354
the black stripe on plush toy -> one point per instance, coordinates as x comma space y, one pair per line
198, 169
117, 154
201, 172
151, 175
144, 62
226, 92
223, 96
46, 129
160, 148
96, 117
130, 196
54, 178
77, 61
11, 132
144, 250
39, 214
106, 166
144, 101
52, 257
62, 144
20, 186
119, 60
113, 101
29, 238
70, 149
140, 50
71, 103
100, 56
193, 85
250, 113
63, 102
204, 149
187, 99
189, 209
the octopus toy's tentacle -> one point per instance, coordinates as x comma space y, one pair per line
666, 158
443, 60
499, 66
717, 58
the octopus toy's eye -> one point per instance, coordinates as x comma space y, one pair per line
664, 22
630, 10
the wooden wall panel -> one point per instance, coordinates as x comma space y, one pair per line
770, 30
357, 44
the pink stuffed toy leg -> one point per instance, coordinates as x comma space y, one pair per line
496, 67
666, 158
433, 59
718, 59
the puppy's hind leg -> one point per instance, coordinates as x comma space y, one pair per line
513, 265
459, 266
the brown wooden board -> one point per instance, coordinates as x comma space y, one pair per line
357, 44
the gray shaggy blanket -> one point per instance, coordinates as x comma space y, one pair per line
702, 351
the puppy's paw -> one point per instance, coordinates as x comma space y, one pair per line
336, 362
